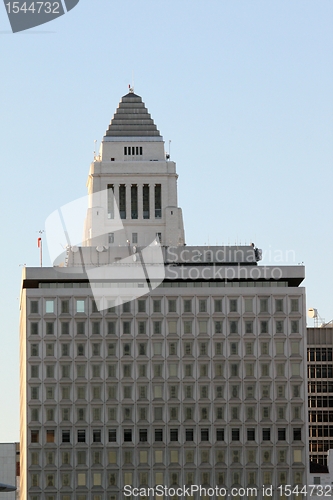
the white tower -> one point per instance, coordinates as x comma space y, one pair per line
140, 180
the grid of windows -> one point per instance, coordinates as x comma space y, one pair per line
203, 350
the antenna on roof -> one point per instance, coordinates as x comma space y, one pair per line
130, 89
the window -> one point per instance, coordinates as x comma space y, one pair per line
251, 434
96, 328
218, 348
248, 305
50, 436
128, 391
265, 369
281, 434
219, 413
34, 371
34, 392
280, 391
173, 434
158, 435
34, 436
49, 479
49, 328
157, 306
265, 412
202, 305
204, 434
135, 237
217, 305
80, 306
188, 434
187, 305
234, 412
143, 435
34, 349
234, 348
219, 434
187, 348
297, 433
127, 435
65, 414
34, 307
218, 326
157, 327
81, 414
203, 391
278, 305
296, 391
233, 326
295, 369
80, 328
158, 201
66, 436
233, 305
294, 326
49, 414
234, 434
157, 347
172, 305
173, 348
142, 305
96, 349
295, 347
249, 369
266, 434
264, 347
65, 328
294, 305
279, 326
263, 305
248, 326
49, 306
65, 349
263, 326
203, 348
111, 238
234, 370
279, 345
34, 414
97, 436
34, 328
112, 435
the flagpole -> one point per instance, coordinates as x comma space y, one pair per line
40, 244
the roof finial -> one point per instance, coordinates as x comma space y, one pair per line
130, 89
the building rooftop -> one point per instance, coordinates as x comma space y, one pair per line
132, 119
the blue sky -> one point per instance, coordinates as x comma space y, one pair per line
243, 89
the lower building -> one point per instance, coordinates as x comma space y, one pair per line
10, 469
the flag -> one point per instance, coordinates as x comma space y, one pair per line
39, 242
